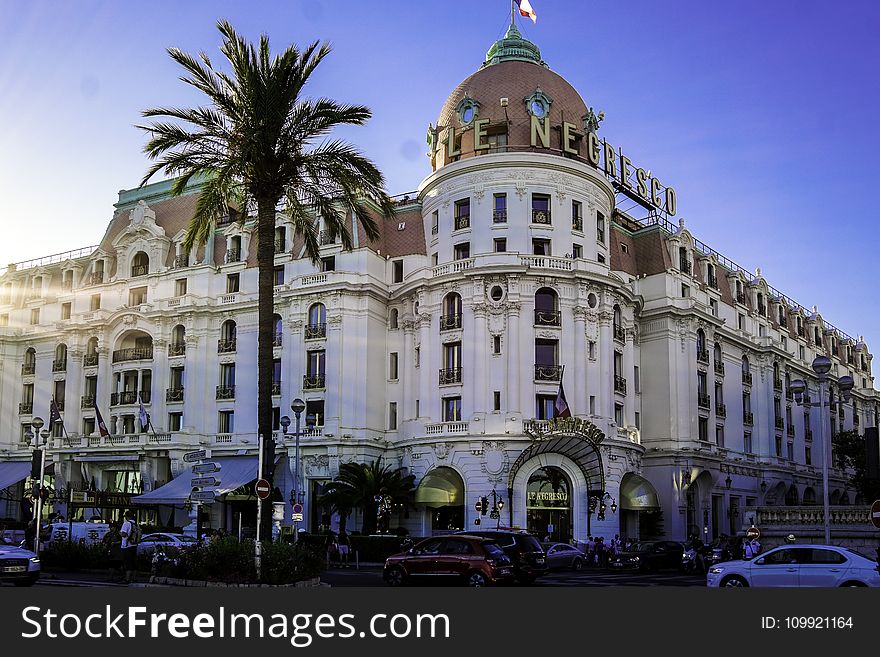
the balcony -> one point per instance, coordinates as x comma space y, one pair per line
135, 353
279, 246
174, 395
26, 408
547, 372
317, 331
703, 401
719, 368
276, 388
703, 356
445, 428
801, 332
713, 281
777, 384
748, 418
762, 310
577, 223
325, 238
685, 266
28, 369
789, 395
808, 435
499, 216
435, 229
139, 270
59, 365
779, 422
789, 430
747, 378
226, 346
96, 278
177, 349
463, 222
720, 410
450, 322
232, 255
90, 360
225, 392
548, 317
123, 398
741, 298
313, 382
619, 333
541, 216
87, 401
619, 384
449, 376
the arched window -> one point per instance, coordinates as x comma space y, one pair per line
140, 264
30, 361
226, 343
809, 497
702, 354
276, 330
178, 341
451, 317
60, 362
394, 318
791, 496
747, 368
317, 326
716, 353
547, 308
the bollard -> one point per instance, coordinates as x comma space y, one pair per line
357, 560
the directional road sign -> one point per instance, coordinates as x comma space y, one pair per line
192, 457
297, 517
875, 514
206, 468
262, 489
205, 481
202, 496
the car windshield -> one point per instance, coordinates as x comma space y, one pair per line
856, 552
531, 543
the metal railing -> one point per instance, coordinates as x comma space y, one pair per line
28, 369
747, 378
748, 418
180, 261
87, 401
619, 333
232, 255
226, 346
174, 394
313, 381
777, 384
713, 281
315, 331
463, 222
720, 410
577, 223
540, 216
59, 365
741, 298
325, 237
279, 247
277, 339
620, 384
134, 353
499, 216
177, 349
225, 392
96, 278
450, 322
139, 270
703, 401
450, 375
124, 397
684, 266
276, 388
548, 317
719, 368
90, 360
547, 372
703, 356
25, 408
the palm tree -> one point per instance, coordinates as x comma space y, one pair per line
363, 483
257, 146
340, 502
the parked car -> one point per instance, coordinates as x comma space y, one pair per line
651, 555
475, 560
562, 556
90, 533
722, 549
798, 565
149, 542
525, 552
18, 565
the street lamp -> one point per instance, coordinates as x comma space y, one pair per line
497, 507
37, 424
297, 406
821, 366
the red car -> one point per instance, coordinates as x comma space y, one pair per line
473, 560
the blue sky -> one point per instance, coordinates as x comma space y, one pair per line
761, 114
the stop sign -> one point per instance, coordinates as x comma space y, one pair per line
875, 514
262, 489
753, 532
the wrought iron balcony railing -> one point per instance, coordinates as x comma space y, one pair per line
499, 216
315, 331
180, 261
277, 339
577, 223
90, 360
619, 333
547, 372
325, 237
139, 270
232, 255
225, 392
226, 346
450, 375
28, 369
719, 368
96, 278
779, 422
174, 394
741, 298
450, 322
747, 378
25, 408
276, 388
87, 401
685, 266
720, 410
620, 384
703, 356
59, 365
703, 401
748, 418
134, 353
713, 281
177, 349
540, 216
463, 222
313, 381
548, 317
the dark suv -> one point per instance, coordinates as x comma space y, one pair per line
524, 550
475, 560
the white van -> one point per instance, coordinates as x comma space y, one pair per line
79, 532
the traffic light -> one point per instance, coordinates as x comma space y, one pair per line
484, 505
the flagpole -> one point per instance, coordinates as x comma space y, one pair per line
513, 12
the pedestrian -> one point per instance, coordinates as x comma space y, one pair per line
344, 547
112, 543
131, 536
756, 546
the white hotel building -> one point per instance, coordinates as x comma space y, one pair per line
438, 348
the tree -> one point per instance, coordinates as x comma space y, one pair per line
849, 447
363, 483
341, 502
259, 145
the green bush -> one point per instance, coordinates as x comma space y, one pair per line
74, 556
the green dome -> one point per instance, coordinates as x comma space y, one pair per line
513, 47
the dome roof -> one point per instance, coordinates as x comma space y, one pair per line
513, 70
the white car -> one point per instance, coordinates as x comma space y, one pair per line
18, 565
800, 566
149, 542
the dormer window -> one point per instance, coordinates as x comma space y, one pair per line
538, 104
467, 110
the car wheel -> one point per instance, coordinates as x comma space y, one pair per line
395, 577
476, 579
734, 581
577, 564
853, 584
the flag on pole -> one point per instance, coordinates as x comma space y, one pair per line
54, 413
525, 9
102, 428
560, 407
142, 414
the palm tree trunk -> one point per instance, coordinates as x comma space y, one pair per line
265, 312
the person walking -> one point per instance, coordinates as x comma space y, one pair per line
131, 536
112, 543
344, 548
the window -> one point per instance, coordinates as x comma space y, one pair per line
624, 248
180, 287
95, 302
462, 251
392, 366
175, 421
435, 258
140, 264
232, 283
500, 244
638, 420
496, 344
462, 214
451, 372
637, 385
747, 442
577, 251
591, 349
397, 271
392, 416
496, 400
278, 275
65, 310
499, 211
88, 426
227, 375
719, 435
618, 414
778, 446
226, 422
417, 356
685, 290
802, 353
137, 296
577, 216
540, 209
315, 413
600, 258
435, 222
544, 406
328, 263
808, 455
790, 451
315, 363
452, 409
280, 239
276, 418
741, 322
418, 414
703, 428
541, 247
35, 316
592, 404
600, 227
4, 319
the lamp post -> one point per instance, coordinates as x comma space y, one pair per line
821, 366
40, 439
497, 507
297, 406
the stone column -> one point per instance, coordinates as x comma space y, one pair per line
158, 383
407, 374
72, 413
578, 400
426, 398
514, 360
481, 396
605, 396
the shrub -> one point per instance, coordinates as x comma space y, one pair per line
74, 556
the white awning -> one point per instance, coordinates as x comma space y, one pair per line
11, 472
234, 472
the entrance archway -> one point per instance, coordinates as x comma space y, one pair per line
548, 504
